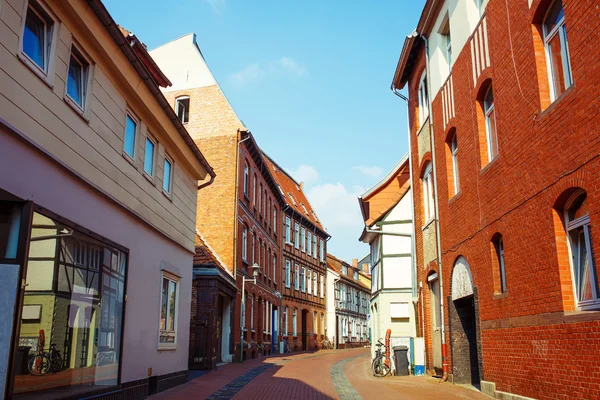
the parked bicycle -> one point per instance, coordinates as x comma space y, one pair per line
46, 362
286, 346
327, 345
381, 364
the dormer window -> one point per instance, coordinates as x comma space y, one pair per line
182, 107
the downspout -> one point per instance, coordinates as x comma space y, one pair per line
437, 213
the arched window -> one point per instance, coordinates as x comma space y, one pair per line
246, 171
498, 264
182, 107
557, 49
423, 99
428, 204
245, 243
490, 124
453, 150
577, 224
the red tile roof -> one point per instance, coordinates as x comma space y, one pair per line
292, 191
204, 254
336, 264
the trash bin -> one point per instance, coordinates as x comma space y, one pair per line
401, 357
21, 359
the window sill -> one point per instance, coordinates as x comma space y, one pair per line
427, 224
166, 348
490, 164
129, 159
558, 100
167, 195
78, 110
455, 197
498, 296
422, 125
35, 69
149, 177
590, 305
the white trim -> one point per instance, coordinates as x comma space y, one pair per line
176, 280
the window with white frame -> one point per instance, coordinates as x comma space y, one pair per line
149, 156
253, 248
303, 239
274, 220
499, 248
245, 303
423, 98
315, 283
130, 136
246, 172
77, 79
295, 322
315, 331
355, 275
454, 155
168, 310
254, 191
274, 269
304, 279
252, 314
345, 270
167, 175
557, 49
245, 243
322, 286
297, 277
38, 36
288, 273
322, 254
288, 233
446, 41
309, 284
579, 233
322, 324
286, 327
314, 246
296, 235
309, 242
182, 106
428, 204
490, 124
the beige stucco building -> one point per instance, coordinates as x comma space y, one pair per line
98, 189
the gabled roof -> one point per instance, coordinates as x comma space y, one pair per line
204, 254
388, 192
336, 264
293, 194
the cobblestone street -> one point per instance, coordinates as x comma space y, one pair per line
342, 374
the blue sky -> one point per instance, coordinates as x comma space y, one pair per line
310, 79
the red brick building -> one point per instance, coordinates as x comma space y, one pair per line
503, 132
303, 266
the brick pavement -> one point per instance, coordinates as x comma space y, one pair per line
322, 375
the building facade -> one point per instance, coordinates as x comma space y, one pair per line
97, 235
304, 248
501, 97
387, 213
239, 217
350, 289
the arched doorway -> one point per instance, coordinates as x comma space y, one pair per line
465, 337
304, 330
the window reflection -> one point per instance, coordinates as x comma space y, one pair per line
74, 301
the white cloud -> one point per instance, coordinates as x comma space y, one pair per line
254, 73
374, 171
306, 174
291, 65
336, 206
251, 73
216, 5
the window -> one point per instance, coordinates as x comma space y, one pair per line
309, 243
297, 277
355, 275
253, 248
130, 134
585, 278
288, 233
274, 220
322, 254
294, 322
252, 314
454, 156
183, 109
303, 239
246, 170
254, 191
499, 263
296, 235
322, 286
304, 279
245, 298
315, 283
38, 35
245, 244
260, 190
168, 310
447, 41
77, 79
274, 269
285, 321
315, 331
557, 50
322, 324
490, 124
344, 269
423, 99
149, 157
309, 284
288, 273
428, 194
167, 175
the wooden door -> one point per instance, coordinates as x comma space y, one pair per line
436, 319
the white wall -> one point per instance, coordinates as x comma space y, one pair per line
331, 278
397, 271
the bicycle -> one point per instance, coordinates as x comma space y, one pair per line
286, 346
381, 365
327, 345
45, 362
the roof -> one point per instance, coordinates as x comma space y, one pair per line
336, 264
143, 64
263, 164
204, 254
293, 193
382, 197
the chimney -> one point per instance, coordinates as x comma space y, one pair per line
355, 263
365, 268
301, 185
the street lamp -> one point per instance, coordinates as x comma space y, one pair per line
255, 268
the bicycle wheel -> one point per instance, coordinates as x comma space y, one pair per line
57, 363
380, 366
38, 365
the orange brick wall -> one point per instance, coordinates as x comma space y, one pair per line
534, 342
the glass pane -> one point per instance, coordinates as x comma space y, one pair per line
584, 281
130, 128
33, 38
172, 303
554, 16
488, 102
167, 176
149, 157
492, 136
75, 81
10, 227
555, 53
164, 304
